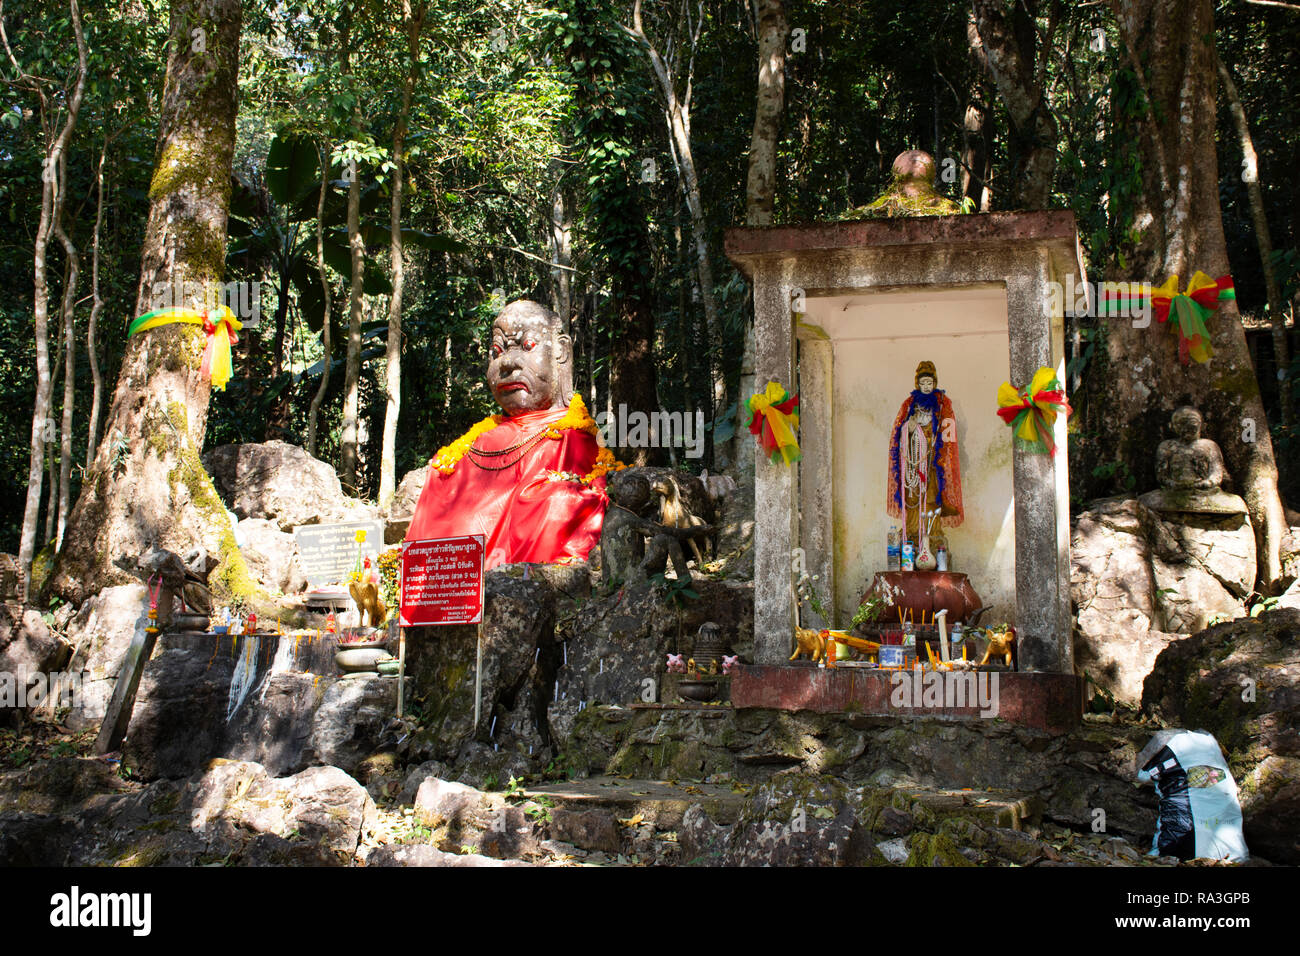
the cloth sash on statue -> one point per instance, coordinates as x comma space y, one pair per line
523, 515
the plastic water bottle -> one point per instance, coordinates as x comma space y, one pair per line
893, 551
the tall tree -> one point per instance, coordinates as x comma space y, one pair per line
357, 257
157, 492
668, 72
414, 23
1008, 43
1263, 238
53, 195
1170, 44
608, 122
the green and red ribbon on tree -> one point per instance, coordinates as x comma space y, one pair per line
1031, 411
219, 325
774, 421
1189, 309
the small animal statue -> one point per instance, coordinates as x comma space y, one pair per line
729, 663
675, 664
673, 513
810, 642
718, 486
623, 533
1001, 644
366, 593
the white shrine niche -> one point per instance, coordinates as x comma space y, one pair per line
973, 295
876, 339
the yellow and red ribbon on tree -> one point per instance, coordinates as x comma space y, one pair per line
220, 327
1031, 411
1189, 309
774, 421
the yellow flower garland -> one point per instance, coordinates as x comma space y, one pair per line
575, 419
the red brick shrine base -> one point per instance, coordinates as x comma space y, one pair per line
1048, 702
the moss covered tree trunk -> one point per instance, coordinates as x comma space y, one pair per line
156, 491
1171, 46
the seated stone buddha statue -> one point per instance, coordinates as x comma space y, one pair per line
1190, 471
531, 480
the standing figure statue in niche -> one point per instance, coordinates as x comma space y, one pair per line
924, 475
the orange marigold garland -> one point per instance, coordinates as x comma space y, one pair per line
575, 419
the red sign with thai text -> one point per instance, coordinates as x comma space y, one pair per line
442, 581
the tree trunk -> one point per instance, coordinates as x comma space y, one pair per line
71, 271
51, 431
1181, 231
562, 257
393, 365
760, 188
1007, 47
677, 112
760, 192
352, 364
97, 306
51, 199
1250, 175
313, 414
160, 494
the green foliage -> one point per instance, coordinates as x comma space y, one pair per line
520, 109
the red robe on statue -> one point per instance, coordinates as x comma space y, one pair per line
521, 510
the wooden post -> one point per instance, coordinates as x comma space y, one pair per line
401, 670
118, 715
478, 676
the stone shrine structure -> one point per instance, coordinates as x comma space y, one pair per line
844, 311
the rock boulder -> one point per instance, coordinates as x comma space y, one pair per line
1142, 579
282, 483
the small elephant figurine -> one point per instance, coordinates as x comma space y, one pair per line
810, 642
675, 664
729, 662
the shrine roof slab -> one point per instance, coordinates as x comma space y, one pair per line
996, 227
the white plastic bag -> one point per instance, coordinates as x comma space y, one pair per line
1199, 815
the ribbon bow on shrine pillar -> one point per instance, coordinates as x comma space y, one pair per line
1031, 411
219, 326
775, 418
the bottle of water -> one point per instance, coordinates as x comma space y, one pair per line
893, 551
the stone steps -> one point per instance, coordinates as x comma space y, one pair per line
596, 814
